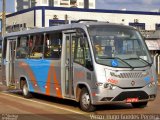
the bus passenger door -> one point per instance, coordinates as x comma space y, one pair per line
68, 63
10, 58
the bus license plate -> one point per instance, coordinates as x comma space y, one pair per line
129, 100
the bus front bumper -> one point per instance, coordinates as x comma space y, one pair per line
104, 96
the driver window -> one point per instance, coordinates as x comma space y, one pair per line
22, 47
103, 46
81, 51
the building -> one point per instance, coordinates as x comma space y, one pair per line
25, 4
45, 16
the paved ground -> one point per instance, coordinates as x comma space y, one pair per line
13, 105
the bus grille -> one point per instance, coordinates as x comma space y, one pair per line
128, 75
131, 94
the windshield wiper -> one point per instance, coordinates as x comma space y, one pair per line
150, 64
105, 57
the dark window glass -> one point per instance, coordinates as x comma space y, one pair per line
118, 43
33, 2
36, 46
81, 51
22, 47
51, 2
53, 45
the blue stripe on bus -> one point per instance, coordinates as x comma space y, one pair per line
31, 89
40, 70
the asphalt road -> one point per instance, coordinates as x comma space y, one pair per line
14, 107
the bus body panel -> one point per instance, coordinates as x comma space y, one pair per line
63, 77
137, 84
119, 95
43, 76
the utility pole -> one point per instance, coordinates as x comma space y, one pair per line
4, 17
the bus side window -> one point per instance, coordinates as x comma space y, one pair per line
81, 52
53, 45
88, 58
22, 47
36, 46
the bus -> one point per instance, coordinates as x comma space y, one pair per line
93, 63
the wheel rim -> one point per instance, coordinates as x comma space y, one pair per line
86, 100
25, 89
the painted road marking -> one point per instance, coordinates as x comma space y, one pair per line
50, 105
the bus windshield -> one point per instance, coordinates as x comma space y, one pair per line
117, 46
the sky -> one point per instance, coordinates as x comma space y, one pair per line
9, 5
133, 5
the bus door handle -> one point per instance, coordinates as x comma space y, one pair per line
67, 66
67, 63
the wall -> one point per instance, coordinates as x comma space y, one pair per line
27, 16
149, 20
38, 18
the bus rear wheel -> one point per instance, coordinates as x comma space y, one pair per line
25, 91
85, 101
139, 104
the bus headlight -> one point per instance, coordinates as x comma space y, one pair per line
152, 84
99, 84
109, 86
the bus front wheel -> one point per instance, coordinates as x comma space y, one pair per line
25, 91
85, 101
139, 104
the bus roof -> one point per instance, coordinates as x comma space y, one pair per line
65, 27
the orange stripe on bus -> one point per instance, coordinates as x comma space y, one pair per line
29, 71
57, 87
48, 84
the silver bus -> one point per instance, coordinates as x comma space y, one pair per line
93, 63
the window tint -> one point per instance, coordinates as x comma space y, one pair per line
53, 45
36, 46
78, 51
81, 51
22, 47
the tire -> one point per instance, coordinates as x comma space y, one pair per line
139, 104
25, 91
85, 101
